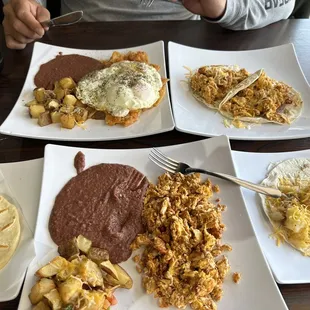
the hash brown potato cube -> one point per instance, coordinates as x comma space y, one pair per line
55, 116
45, 119
98, 255
53, 104
123, 277
35, 110
32, 102
42, 287
69, 248
52, 268
67, 83
54, 299
83, 243
69, 100
67, 121
80, 114
70, 289
90, 272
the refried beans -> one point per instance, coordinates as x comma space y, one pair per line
103, 203
74, 66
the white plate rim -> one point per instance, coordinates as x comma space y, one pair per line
89, 139
236, 137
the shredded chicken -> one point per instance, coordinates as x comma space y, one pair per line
182, 262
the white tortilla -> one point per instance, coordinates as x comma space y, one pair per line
292, 112
9, 231
290, 169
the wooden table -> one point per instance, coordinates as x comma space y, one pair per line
115, 35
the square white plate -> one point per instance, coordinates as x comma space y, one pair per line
153, 121
256, 290
193, 117
288, 265
27, 193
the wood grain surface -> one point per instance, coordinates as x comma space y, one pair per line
115, 35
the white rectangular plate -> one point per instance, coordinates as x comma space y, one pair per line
193, 117
288, 265
153, 121
256, 290
28, 194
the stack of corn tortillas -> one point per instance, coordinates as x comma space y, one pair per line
290, 215
9, 231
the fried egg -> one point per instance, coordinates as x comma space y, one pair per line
124, 86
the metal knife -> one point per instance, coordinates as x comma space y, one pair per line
64, 20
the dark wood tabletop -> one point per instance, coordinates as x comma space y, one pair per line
115, 35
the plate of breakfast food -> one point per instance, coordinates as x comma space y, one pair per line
247, 95
115, 230
281, 224
91, 95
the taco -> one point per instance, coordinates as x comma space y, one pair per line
290, 214
210, 84
264, 101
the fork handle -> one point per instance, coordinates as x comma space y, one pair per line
269, 191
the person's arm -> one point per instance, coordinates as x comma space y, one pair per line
241, 14
21, 22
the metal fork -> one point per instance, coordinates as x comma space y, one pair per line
148, 3
170, 165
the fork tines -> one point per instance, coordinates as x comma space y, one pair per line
164, 162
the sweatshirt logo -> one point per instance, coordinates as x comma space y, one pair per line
272, 4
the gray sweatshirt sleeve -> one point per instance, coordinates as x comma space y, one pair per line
253, 14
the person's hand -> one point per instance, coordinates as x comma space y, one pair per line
207, 8
22, 22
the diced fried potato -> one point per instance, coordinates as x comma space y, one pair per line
59, 92
66, 109
35, 110
32, 102
108, 267
69, 100
80, 114
98, 255
55, 116
53, 267
109, 280
83, 244
68, 249
88, 298
53, 104
90, 272
42, 287
70, 289
123, 277
64, 274
41, 306
39, 94
67, 83
45, 119
54, 299
67, 121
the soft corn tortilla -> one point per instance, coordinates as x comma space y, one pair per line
9, 231
290, 169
